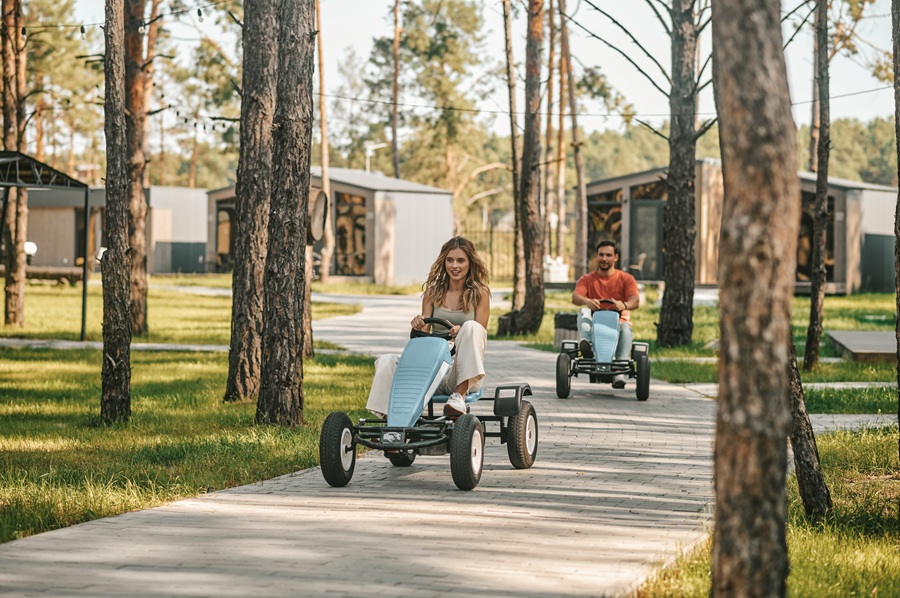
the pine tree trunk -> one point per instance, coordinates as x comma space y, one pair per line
281, 378
328, 239
136, 113
815, 115
676, 317
895, 40
548, 184
395, 90
528, 319
308, 349
810, 481
561, 162
581, 211
16, 212
518, 295
757, 261
820, 218
115, 402
252, 192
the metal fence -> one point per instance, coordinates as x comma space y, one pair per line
497, 248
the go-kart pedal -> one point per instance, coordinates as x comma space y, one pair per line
585, 347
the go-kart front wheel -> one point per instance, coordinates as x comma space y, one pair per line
401, 458
522, 437
467, 451
337, 451
563, 375
642, 367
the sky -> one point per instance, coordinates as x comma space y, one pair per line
855, 93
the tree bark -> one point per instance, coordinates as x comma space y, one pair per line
395, 89
820, 218
810, 480
581, 211
281, 379
561, 160
549, 204
16, 212
895, 40
757, 261
528, 319
679, 227
252, 192
518, 295
328, 244
815, 115
115, 402
136, 113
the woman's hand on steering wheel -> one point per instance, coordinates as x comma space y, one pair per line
423, 330
418, 323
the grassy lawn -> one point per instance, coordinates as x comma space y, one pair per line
54, 312
60, 466
857, 312
853, 552
223, 281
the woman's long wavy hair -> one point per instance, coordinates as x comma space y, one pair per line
438, 283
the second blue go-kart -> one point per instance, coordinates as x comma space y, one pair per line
411, 427
603, 367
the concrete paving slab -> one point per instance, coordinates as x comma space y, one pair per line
860, 345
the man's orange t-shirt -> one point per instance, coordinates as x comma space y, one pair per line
619, 286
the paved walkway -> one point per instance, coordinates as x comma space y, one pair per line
618, 488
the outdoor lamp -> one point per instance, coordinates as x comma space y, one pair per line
30, 250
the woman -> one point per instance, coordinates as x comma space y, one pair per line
456, 290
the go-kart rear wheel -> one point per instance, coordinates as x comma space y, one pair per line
522, 437
563, 375
467, 451
337, 451
642, 367
401, 458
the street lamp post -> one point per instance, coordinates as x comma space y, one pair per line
370, 151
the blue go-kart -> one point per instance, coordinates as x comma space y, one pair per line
603, 367
411, 427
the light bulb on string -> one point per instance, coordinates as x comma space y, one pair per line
142, 28
23, 32
200, 14
83, 33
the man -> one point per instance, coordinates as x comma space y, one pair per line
607, 282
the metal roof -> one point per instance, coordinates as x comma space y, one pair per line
358, 178
374, 181
20, 170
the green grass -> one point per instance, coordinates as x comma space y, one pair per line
60, 466
855, 551
682, 371
54, 312
851, 400
223, 281
856, 312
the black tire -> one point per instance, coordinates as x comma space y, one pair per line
642, 365
522, 437
563, 375
337, 450
467, 451
402, 459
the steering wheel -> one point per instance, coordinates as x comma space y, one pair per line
610, 302
444, 335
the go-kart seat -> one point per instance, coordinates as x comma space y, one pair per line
605, 335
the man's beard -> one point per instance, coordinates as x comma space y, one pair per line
607, 268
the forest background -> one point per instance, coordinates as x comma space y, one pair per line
453, 126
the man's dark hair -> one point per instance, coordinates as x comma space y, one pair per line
606, 243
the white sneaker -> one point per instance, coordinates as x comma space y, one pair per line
619, 381
455, 405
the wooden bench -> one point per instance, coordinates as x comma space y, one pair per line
69, 274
